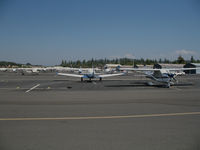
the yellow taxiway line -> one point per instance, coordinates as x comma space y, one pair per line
101, 117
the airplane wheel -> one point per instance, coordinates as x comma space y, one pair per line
100, 79
81, 79
168, 85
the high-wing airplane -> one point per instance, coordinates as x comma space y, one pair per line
91, 74
22, 70
32, 71
164, 76
3, 69
109, 70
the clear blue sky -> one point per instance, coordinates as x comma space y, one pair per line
47, 31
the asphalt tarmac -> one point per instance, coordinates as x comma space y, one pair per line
45, 111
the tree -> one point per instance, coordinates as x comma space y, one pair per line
166, 61
28, 64
192, 59
180, 60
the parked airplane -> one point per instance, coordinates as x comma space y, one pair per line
32, 71
164, 76
3, 69
22, 70
109, 70
82, 70
91, 74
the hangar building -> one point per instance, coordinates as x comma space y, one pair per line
192, 65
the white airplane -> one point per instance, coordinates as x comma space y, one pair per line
70, 69
109, 70
164, 76
3, 69
32, 71
91, 74
24, 70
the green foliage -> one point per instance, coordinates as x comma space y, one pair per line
28, 64
102, 62
122, 61
180, 60
9, 64
192, 59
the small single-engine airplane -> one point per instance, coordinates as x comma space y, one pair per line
91, 74
165, 76
23, 71
109, 70
30, 71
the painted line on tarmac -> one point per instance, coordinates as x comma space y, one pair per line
32, 88
102, 117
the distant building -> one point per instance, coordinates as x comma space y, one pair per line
112, 65
192, 65
157, 66
165, 66
143, 66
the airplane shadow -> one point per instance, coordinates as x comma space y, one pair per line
89, 81
126, 85
60, 80
183, 84
147, 85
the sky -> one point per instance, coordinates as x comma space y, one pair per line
46, 32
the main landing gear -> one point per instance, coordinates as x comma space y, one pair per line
100, 79
167, 85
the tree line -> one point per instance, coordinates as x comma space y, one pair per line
102, 62
8, 64
124, 61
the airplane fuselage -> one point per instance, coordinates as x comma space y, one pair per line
90, 74
166, 78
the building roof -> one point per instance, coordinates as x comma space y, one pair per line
172, 65
112, 65
196, 64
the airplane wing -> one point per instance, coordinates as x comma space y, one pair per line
182, 69
70, 75
110, 75
139, 69
151, 69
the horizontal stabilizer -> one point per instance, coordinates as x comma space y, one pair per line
151, 69
70, 75
110, 75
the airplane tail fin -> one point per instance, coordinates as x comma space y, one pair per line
118, 68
